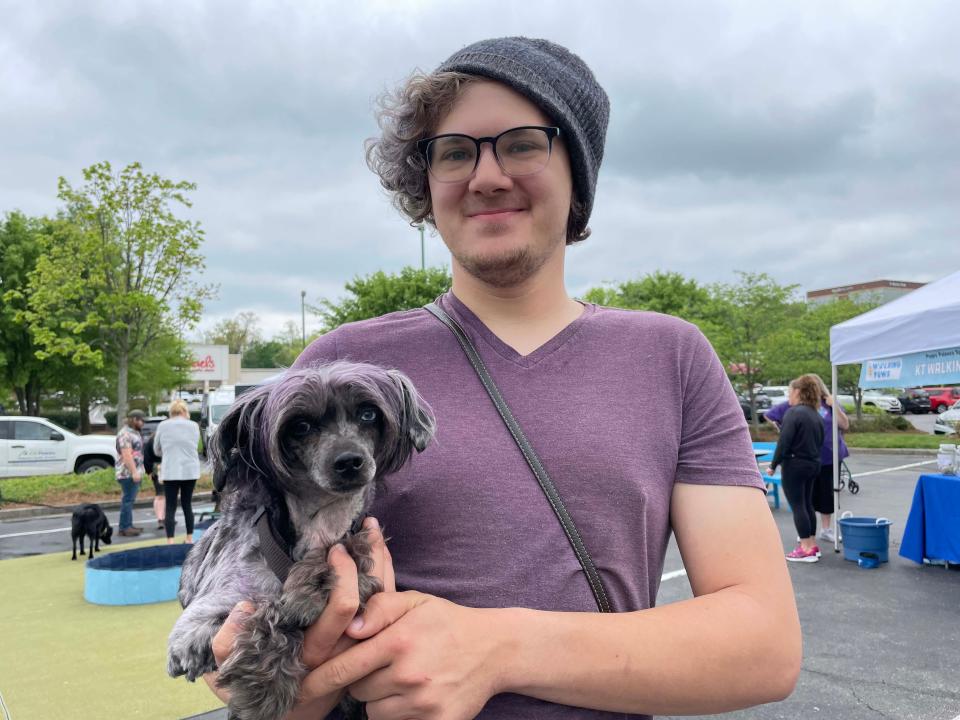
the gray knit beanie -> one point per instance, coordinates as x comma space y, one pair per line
558, 82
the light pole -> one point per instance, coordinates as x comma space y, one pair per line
303, 318
423, 257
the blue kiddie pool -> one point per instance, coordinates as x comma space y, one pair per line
135, 577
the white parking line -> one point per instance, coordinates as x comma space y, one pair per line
33, 532
899, 467
675, 574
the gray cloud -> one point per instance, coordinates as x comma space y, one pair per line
819, 147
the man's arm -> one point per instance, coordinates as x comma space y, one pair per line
735, 644
127, 455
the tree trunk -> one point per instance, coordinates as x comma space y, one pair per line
21, 400
84, 404
122, 372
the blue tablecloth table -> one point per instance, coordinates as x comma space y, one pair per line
933, 526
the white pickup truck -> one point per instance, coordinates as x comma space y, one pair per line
35, 446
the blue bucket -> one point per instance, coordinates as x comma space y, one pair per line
865, 534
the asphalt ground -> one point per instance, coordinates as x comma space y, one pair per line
881, 643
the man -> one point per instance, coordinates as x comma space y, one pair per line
129, 469
500, 150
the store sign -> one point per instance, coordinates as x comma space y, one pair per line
923, 369
210, 362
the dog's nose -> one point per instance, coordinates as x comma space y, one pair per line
347, 464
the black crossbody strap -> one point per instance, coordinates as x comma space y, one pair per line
549, 489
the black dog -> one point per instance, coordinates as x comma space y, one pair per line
90, 521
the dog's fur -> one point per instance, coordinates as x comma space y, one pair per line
90, 521
308, 448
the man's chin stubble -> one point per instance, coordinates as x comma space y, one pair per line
503, 271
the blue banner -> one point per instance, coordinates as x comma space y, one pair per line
923, 369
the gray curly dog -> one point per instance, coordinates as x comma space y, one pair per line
298, 462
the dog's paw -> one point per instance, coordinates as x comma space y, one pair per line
306, 591
190, 655
264, 671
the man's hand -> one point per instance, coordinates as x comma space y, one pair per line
324, 639
421, 657
771, 472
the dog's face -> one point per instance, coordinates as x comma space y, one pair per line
323, 434
334, 447
106, 533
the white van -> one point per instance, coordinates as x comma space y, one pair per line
214, 407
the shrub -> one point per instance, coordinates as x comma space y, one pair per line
883, 422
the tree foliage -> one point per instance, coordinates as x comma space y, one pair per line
238, 332
382, 293
21, 244
120, 277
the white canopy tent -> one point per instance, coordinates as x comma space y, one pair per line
926, 319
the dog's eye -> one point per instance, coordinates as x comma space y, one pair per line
301, 427
368, 415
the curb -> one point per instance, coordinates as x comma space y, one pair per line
893, 451
53, 510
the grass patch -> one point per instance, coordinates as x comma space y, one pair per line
897, 440
71, 488
63, 657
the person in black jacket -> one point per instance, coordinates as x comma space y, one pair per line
151, 464
798, 451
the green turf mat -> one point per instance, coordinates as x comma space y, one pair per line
61, 657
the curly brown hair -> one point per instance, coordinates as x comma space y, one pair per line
406, 116
808, 389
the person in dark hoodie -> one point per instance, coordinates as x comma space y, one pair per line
798, 452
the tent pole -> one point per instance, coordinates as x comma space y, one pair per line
836, 460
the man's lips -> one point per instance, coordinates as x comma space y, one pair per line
494, 213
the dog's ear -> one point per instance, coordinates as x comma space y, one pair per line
417, 423
230, 443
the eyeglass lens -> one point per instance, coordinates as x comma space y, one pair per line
523, 151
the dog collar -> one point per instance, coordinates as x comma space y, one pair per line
275, 550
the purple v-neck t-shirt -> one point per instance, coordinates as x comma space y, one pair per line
619, 405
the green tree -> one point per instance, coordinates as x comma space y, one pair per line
748, 314
21, 244
805, 345
238, 332
664, 292
112, 290
380, 293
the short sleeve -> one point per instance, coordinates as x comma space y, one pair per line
777, 412
124, 442
715, 446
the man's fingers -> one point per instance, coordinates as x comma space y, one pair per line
225, 638
382, 562
344, 669
384, 609
321, 638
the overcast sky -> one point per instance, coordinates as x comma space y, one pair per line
816, 141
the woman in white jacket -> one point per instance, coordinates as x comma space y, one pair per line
176, 442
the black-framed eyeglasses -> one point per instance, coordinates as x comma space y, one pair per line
519, 151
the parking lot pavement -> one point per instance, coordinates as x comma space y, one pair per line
922, 422
877, 643
51, 533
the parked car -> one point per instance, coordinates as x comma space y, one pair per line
915, 400
150, 426
872, 398
948, 421
776, 393
36, 446
761, 401
942, 398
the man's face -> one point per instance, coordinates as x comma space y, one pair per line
498, 228
138, 424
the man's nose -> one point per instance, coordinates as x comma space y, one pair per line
489, 176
